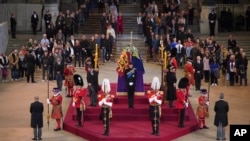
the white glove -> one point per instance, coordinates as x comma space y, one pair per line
48, 101
73, 104
207, 103
186, 104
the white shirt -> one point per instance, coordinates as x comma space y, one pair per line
139, 20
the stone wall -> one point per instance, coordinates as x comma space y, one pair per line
23, 14
4, 37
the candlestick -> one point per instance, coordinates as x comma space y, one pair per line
162, 50
96, 55
165, 60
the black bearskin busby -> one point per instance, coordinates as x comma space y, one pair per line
78, 80
183, 83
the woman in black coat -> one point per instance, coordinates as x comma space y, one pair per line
171, 81
221, 109
36, 110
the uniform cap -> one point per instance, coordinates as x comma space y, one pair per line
56, 90
203, 91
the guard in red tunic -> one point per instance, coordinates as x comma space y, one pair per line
189, 74
68, 73
106, 102
56, 101
78, 99
155, 97
202, 109
181, 102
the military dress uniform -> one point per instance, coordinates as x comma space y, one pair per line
56, 101
78, 98
131, 82
212, 22
155, 101
106, 102
181, 102
202, 109
189, 74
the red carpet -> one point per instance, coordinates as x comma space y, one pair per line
129, 124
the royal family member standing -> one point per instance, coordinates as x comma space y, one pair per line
106, 102
155, 97
131, 82
221, 109
182, 101
78, 99
36, 110
92, 79
171, 85
56, 102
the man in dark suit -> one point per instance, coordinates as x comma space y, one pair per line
198, 74
47, 19
36, 110
13, 25
31, 61
34, 22
130, 75
212, 22
92, 79
221, 109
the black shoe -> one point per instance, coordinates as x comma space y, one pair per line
33, 138
217, 139
78, 125
57, 129
106, 134
224, 139
157, 134
33, 81
205, 127
39, 138
181, 126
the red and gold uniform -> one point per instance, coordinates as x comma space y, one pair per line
68, 73
106, 102
78, 103
155, 101
189, 73
56, 101
70, 87
202, 111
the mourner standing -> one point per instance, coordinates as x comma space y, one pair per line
221, 110
198, 73
13, 24
34, 22
36, 111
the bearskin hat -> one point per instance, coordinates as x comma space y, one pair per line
78, 80
183, 82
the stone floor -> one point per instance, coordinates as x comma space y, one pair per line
17, 96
